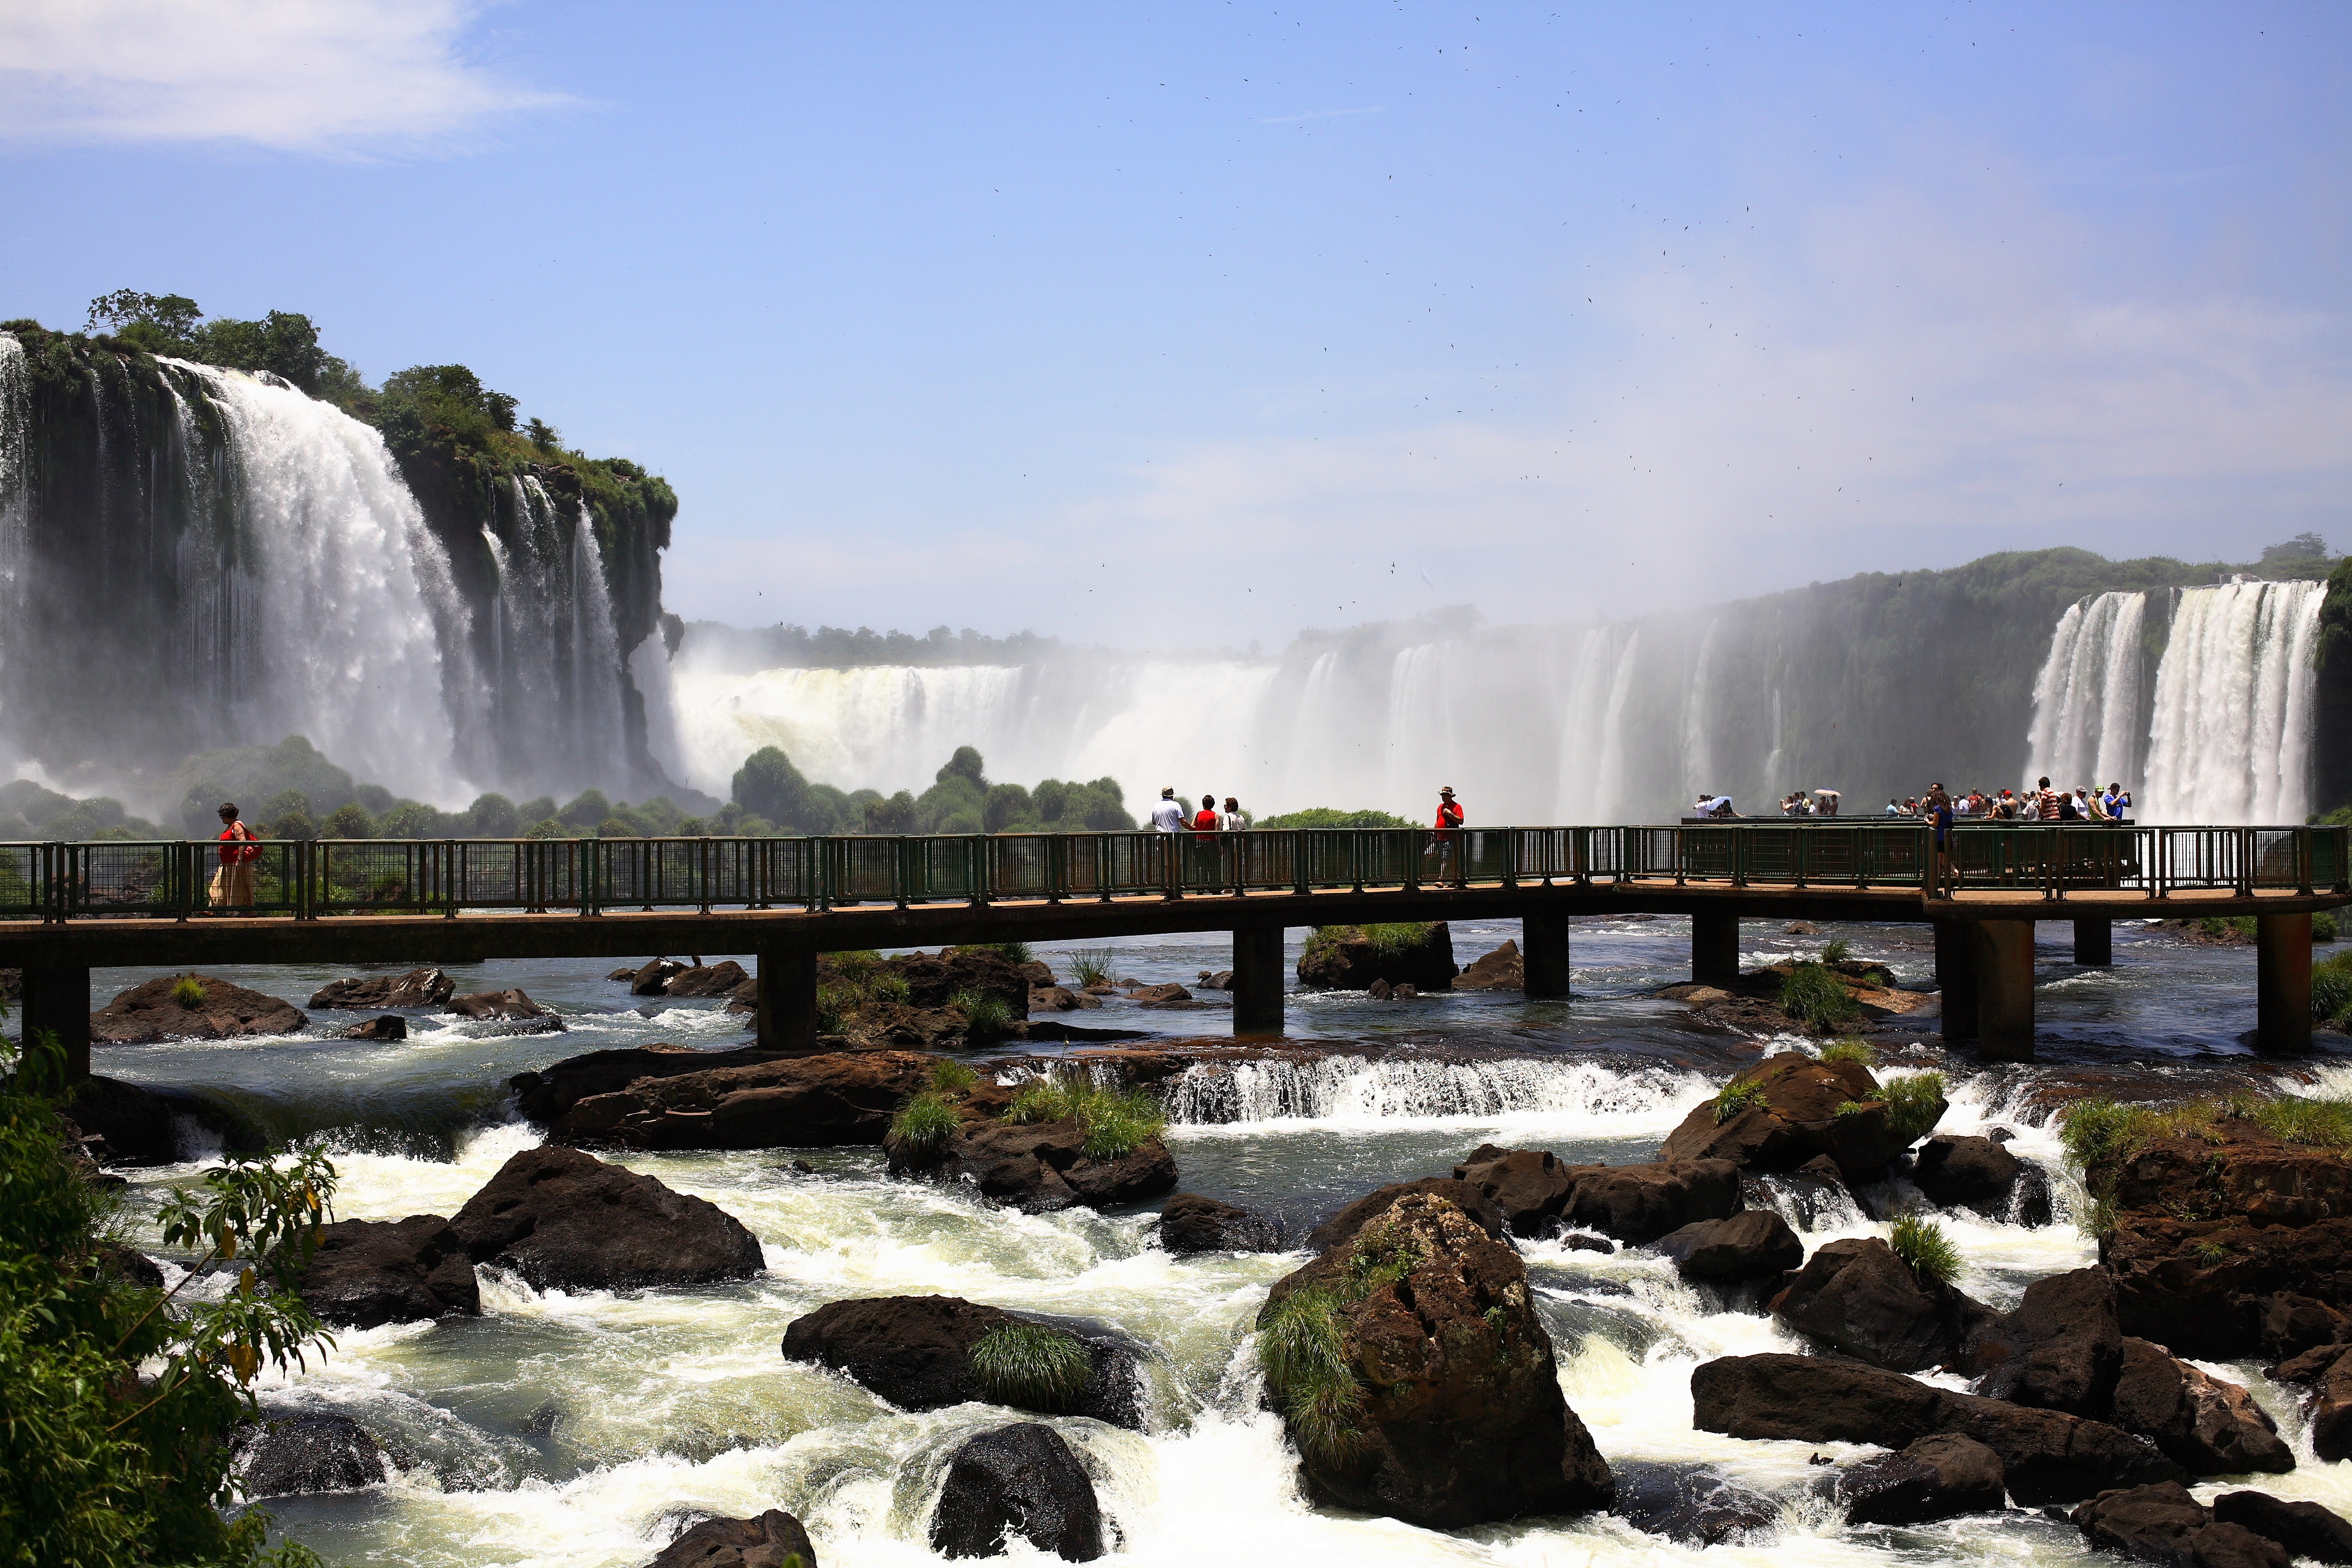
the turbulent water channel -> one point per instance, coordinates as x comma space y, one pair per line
586, 1430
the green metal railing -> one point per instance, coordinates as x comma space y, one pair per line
178, 880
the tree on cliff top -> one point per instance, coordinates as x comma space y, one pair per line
283, 342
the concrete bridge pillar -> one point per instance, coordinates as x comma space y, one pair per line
2095, 940
1956, 979
1715, 949
1543, 956
787, 998
56, 998
2283, 983
2002, 957
1259, 980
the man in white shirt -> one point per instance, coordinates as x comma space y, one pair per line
1168, 817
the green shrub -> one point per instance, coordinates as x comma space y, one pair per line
1734, 1098
1837, 951
1380, 1257
1031, 1365
856, 965
2211, 1253
1327, 817
1040, 1099
1400, 937
1018, 952
985, 1017
2096, 1129
1856, 1051
1922, 1244
2099, 1219
2322, 925
951, 1076
2323, 1121
2214, 925
1091, 966
1816, 998
925, 1120
1117, 1122
835, 1005
188, 991
2331, 990
1913, 1105
1303, 1351
1850, 1108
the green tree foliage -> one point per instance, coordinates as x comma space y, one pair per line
349, 820
119, 1400
444, 406
769, 785
1331, 817
585, 810
282, 342
492, 815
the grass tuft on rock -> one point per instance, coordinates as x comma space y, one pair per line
1856, 1051
925, 1120
1031, 1366
1922, 1245
1734, 1098
951, 1076
1117, 1122
985, 1017
1303, 1350
1090, 966
1040, 1099
1914, 1103
1817, 998
2331, 991
1837, 951
188, 991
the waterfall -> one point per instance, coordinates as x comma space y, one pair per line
1358, 1090
16, 480
1698, 744
2232, 738
558, 667
2087, 719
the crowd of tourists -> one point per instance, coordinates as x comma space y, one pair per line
2040, 804
1172, 816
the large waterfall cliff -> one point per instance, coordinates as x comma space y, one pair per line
193, 557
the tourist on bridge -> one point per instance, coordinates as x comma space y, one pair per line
1449, 817
1168, 816
2045, 800
232, 883
1206, 821
1236, 819
2118, 800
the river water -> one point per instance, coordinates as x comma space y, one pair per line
586, 1430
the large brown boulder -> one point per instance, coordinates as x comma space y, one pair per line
1501, 970
567, 1221
1796, 1119
308, 1453
1966, 1173
1530, 1186
934, 981
1639, 1204
2051, 1456
1019, 1480
1858, 1297
1039, 1167
150, 1011
1933, 1478
710, 980
514, 1004
368, 993
2160, 1522
2305, 1528
1190, 1223
764, 1102
1345, 1224
2206, 1425
916, 1353
2062, 1349
546, 1094
762, 1542
1755, 1244
1342, 958
1451, 1413
137, 1122
2202, 1287
370, 1272
2327, 1371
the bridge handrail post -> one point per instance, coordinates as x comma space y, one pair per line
1299, 860
2303, 837
2246, 837
450, 879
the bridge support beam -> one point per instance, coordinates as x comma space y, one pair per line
2283, 983
1715, 949
787, 998
2002, 957
1259, 980
1956, 980
1543, 956
2095, 940
56, 998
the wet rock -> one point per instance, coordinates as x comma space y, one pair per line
1528, 1186
418, 988
1039, 1167
1694, 992
1341, 1226
1169, 991
2305, 1528
135, 1121
708, 980
2208, 1427
1754, 1245
2062, 1349
916, 1353
1037, 972
1690, 1504
1055, 999
1342, 958
149, 1012
1216, 980
1802, 928
1937, 1477
2160, 1522
1017, 1481
2331, 1410
1192, 1222
653, 979
2202, 1287
762, 1542
289, 1456
1858, 1297
932, 982
511, 1004
1639, 1204
391, 1027
1501, 970
369, 1272
132, 1265
1966, 1173
1577, 1241
565, 1220
1796, 1122
2052, 1456
1459, 1418
754, 1100
2291, 1323
546, 1094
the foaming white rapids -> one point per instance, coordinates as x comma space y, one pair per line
2236, 706
1557, 1096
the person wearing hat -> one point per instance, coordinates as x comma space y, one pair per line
1168, 816
1449, 817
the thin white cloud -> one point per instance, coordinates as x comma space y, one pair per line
341, 76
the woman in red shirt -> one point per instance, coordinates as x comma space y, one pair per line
232, 883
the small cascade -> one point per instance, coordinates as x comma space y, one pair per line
2088, 719
1698, 742
556, 691
2231, 737
1359, 1090
597, 723
15, 479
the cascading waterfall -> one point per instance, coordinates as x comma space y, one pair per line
556, 690
2231, 741
15, 487
2088, 723
1356, 1090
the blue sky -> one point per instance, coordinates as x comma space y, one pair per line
1196, 324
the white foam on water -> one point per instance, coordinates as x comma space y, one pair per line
1557, 1098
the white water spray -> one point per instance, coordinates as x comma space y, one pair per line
2087, 726
2232, 738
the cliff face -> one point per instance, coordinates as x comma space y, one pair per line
186, 555
2331, 748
